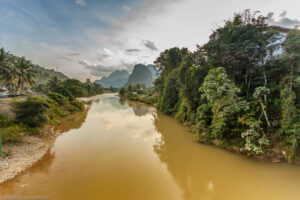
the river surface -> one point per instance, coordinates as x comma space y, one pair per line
123, 150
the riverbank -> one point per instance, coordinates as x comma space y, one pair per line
275, 154
17, 157
21, 155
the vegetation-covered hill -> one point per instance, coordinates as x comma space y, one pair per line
117, 79
43, 75
141, 74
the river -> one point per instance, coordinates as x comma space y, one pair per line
123, 150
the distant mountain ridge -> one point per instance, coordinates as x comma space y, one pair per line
117, 79
141, 74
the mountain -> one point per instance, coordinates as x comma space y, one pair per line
141, 74
153, 71
116, 79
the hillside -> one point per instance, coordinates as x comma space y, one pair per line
43, 75
117, 79
141, 74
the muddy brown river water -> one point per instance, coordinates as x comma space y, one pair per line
125, 150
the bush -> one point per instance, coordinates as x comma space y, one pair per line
5, 120
13, 133
65, 92
78, 105
123, 91
78, 91
59, 98
32, 111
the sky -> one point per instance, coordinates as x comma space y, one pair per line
92, 38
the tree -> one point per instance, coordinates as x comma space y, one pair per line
241, 47
123, 91
290, 92
7, 75
170, 99
218, 89
24, 74
54, 82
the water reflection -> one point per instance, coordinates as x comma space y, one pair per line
206, 172
126, 150
74, 121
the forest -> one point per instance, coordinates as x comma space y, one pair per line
240, 90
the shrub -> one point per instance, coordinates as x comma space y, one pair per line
59, 98
5, 120
13, 133
123, 91
78, 105
32, 111
78, 91
65, 92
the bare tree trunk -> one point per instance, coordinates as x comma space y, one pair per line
264, 111
265, 83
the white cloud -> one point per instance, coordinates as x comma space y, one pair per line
81, 2
283, 20
126, 8
166, 23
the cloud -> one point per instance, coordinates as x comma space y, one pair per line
132, 50
65, 58
73, 54
150, 45
283, 14
81, 2
100, 70
282, 21
104, 53
126, 8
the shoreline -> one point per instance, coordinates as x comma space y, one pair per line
19, 157
272, 156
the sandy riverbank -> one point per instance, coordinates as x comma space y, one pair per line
18, 157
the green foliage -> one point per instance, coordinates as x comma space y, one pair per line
123, 91
73, 88
32, 111
170, 99
77, 105
5, 120
248, 101
58, 98
65, 92
252, 135
219, 90
203, 120
240, 46
13, 133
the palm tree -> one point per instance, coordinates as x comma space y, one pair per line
53, 82
6, 68
24, 74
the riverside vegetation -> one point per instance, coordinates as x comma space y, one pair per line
241, 90
51, 101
